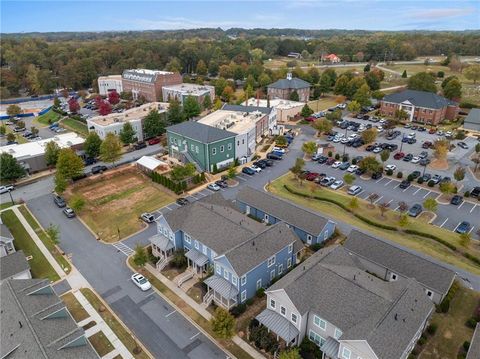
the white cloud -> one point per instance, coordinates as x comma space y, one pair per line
442, 13
177, 23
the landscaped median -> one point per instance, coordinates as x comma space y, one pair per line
422, 237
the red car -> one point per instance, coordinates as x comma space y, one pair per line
426, 144
330, 161
432, 131
399, 155
154, 141
311, 176
311, 119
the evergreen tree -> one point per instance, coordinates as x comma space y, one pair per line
175, 112
207, 102
92, 144
154, 124
294, 96
127, 133
306, 111
191, 107
404, 74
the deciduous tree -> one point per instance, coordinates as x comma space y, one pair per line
51, 153
92, 144
385, 155
453, 90
422, 81
113, 97
370, 164
140, 257
73, 105
207, 102
13, 110
191, 107
441, 147
349, 178
369, 135
111, 148
10, 168
127, 133
69, 165
309, 148
354, 107
322, 125
430, 204
298, 167
472, 72
175, 112
105, 108
223, 323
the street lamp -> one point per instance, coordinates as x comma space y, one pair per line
11, 198
345, 144
401, 142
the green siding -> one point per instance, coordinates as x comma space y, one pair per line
220, 156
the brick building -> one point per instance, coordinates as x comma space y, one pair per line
148, 83
283, 88
421, 106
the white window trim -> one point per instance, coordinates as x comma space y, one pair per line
219, 269
293, 315
272, 301
280, 269
222, 148
259, 284
309, 238
338, 333
272, 274
429, 293
243, 280
320, 321
290, 248
214, 151
271, 261
188, 239
284, 313
225, 274
289, 262
265, 217
234, 280
344, 353
393, 277
196, 244
244, 295
229, 146
204, 250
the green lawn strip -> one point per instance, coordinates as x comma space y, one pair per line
119, 330
45, 239
39, 265
117, 196
228, 344
452, 331
418, 243
100, 343
47, 118
74, 307
5, 205
75, 126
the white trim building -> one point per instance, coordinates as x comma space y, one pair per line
182, 91
109, 83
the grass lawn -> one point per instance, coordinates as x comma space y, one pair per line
46, 239
120, 196
119, 330
47, 118
190, 312
18, 135
101, 344
39, 265
74, 307
323, 103
421, 244
452, 331
5, 205
75, 126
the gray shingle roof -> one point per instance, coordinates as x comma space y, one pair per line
474, 350
294, 83
385, 314
259, 248
472, 121
23, 324
4, 231
288, 212
228, 107
200, 132
400, 261
13, 264
419, 98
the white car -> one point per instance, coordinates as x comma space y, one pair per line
336, 140
352, 168
377, 150
354, 190
255, 168
7, 188
415, 159
337, 184
448, 133
278, 149
213, 187
391, 167
336, 164
342, 106
147, 217
141, 282
344, 140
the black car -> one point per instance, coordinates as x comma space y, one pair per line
182, 201
411, 141
426, 177
456, 200
248, 171
404, 184
475, 192
269, 163
463, 228
59, 201
322, 159
357, 143
415, 210
408, 157
376, 175
370, 148
139, 145
260, 164
273, 156
415, 174
360, 171
221, 184
98, 169
424, 162
89, 161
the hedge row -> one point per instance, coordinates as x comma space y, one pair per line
177, 187
472, 258
431, 236
444, 306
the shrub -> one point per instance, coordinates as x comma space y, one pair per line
399, 174
466, 345
223, 324
431, 183
420, 180
260, 292
445, 304
330, 154
466, 104
422, 341
410, 178
389, 172
249, 301
466, 194
471, 323
432, 328
337, 156
238, 310
354, 161
316, 246
432, 236
345, 157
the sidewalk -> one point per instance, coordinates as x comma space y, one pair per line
53, 262
101, 326
201, 310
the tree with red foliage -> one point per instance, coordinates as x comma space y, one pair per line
73, 105
113, 97
105, 108
98, 101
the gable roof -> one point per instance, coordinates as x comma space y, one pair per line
27, 332
333, 285
288, 212
474, 350
259, 248
5, 232
293, 83
400, 261
472, 121
228, 107
200, 132
13, 264
419, 98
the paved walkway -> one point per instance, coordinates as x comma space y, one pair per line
53, 262
119, 348
201, 310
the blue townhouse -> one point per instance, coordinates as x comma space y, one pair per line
243, 253
310, 227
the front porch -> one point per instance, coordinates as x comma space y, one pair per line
220, 291
197, 262
163, 249
280, 326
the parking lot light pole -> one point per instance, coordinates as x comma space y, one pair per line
345, 144
401, 142
11, 198
424, 168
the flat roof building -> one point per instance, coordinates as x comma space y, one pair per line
472, 121
182, 91
109, 83
148, 83
285, 110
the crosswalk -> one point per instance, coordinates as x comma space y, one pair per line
123, 248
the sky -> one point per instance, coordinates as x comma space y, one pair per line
117, 15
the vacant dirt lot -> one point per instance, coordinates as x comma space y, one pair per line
115, 200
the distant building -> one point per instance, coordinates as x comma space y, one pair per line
36, 323
472, 121
421, 106
113, 122
109, 83
283, 88
182, 91
31, 155
295, 55
331, 58
285, 110
148, 83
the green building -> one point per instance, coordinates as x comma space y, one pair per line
202, 145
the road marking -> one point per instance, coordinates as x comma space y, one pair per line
379, 198
390, 201
414, 193
457, 226
196, 335
471, 229
396, 208
397, 185
379, 180
386, 184
241, 178
123, 248
203, 194
427, 194
166, 207
406, 189
169, 314
461, 205
475, 206
445, 221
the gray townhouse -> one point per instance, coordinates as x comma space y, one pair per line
347, 312
244, 254
14, 266
36, 323
395, 264
6, 241
310, 227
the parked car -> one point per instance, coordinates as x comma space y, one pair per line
475, 192
404, 184
423, 154
463, 227
376, 175
330, 161
89, 161
415, 210
248, 171
390, 167
59, 201
272, 156
354, 190
256, 168
98, 169
6, 188
311, 176
322, 159
424, 162
415, 174
426, 177
462, 145
336, 164
221, 184
139, 146
70, 213
141, 282
360, 171
456, 200
337, 184
154, 141
260, 164
182, 201
147, 217
327, 181
213, 187
352, 168
408, 157
344, 166
415, 159
436, 179
399, 155
278, 149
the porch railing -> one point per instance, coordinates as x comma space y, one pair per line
207, 299
162, 263
186, 277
